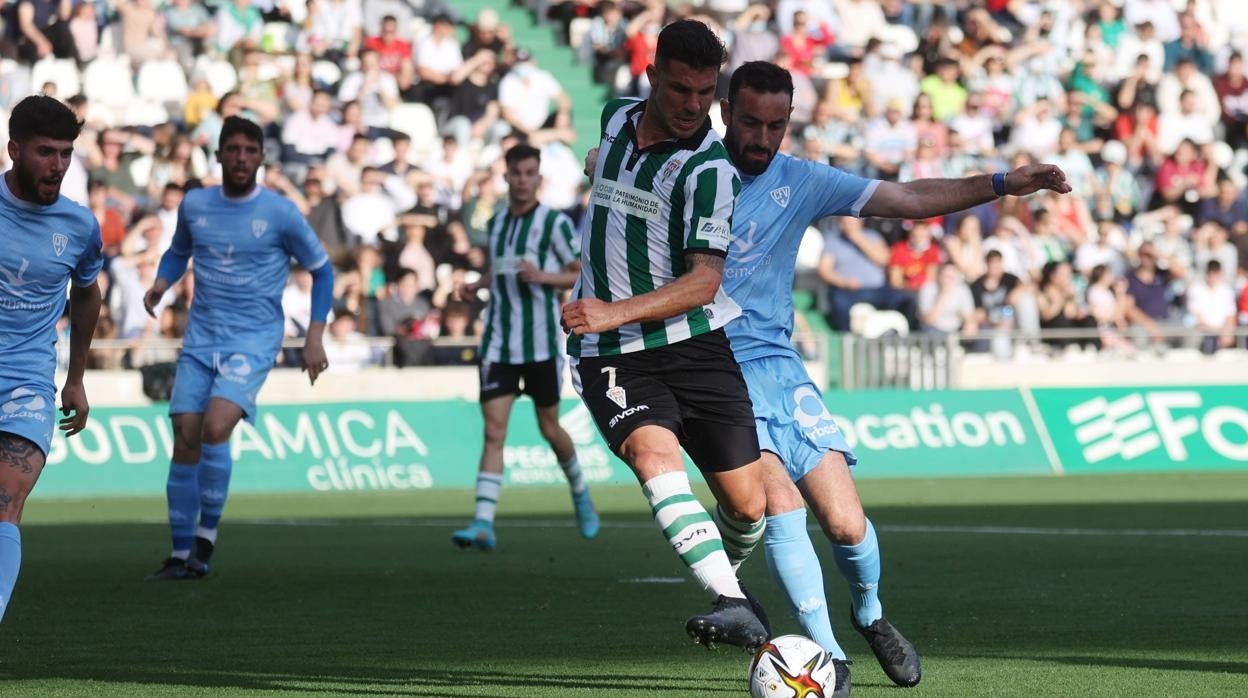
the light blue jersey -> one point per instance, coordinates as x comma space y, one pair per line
242, 250
42, 250
773, 211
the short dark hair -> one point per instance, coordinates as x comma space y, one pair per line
993, 254
1214, 266
519, 153
760, 76
235, 125
691, 42
389, 18
405, 272
43, 116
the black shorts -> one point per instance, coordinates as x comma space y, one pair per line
693, 388
542, 381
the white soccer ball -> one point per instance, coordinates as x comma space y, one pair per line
792, 666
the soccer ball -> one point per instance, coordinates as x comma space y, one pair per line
792, 666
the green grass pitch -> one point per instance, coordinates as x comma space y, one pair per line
1080, 586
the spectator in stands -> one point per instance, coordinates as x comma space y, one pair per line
346, 349
445, 237
531, 99
1036, 129
804, 43
297, 302
474, 113
1138, 129
852, 97
114, 167
965, 247
373, 89
40, 28
1228, 208
946, 305
325, 217
928, 128
1186, 78
309, 134
643, 42
860, 21
1104, 249
188, 28
1232, 89
1107, 302
176, 163
1149, 291
369, 214
1184, 124
1211, 304
392, 50
605, 42
1184, 178
401, 164
346, 169
488, 34
888, 142
753, 37
438, 56
853, 266
208, 133
482, 199
1190, 45
1059, 303
112, 225
200, 103
1019, 253
891, 81
1211, 241
142, 34
915, 260
403, 315
1117, 192
334, 29
836, 141
947, 95
298, 87
415, 257
1002, 300
239, 27
84, 30
352, 126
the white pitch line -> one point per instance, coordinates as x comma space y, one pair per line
923, 529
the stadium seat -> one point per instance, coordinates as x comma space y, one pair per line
220, 75
162, 82
109, 82
141, 170
867, 322
383, 152
141, 113
899, 35
60, 71
326, 72
14, 81
416, 120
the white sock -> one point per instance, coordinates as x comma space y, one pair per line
572, 470
489, 486
181, 554
692, 534
209, 533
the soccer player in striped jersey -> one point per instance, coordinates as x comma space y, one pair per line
806, 457
51, 246
533, 259
650, 358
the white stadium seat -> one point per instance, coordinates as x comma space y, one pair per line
141, 170
162, 82
109, 82
326, 72
417, 121
60, 71
220, 75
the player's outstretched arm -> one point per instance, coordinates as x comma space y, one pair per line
925, 198
84, 313
694, 289
314, 360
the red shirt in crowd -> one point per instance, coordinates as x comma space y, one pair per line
392, 54
914, 264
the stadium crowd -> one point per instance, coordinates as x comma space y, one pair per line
386, 120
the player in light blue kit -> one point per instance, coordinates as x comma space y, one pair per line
807, 459
242, 237
49, 244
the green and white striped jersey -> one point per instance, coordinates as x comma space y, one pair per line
649, 208
522, 319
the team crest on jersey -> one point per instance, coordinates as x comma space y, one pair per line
259, 227
200, 222
59, 242
781, 196
672, 167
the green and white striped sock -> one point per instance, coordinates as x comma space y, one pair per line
489, 486
740, 537
691, 532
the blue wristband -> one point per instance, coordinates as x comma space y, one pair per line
998, 184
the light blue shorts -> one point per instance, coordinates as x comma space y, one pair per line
790, 416
28, 412
232, 376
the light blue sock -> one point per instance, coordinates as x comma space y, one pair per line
861, 566
10, 562
215, 465
182, 493
794, 564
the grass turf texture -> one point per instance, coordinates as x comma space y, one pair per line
363, 594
